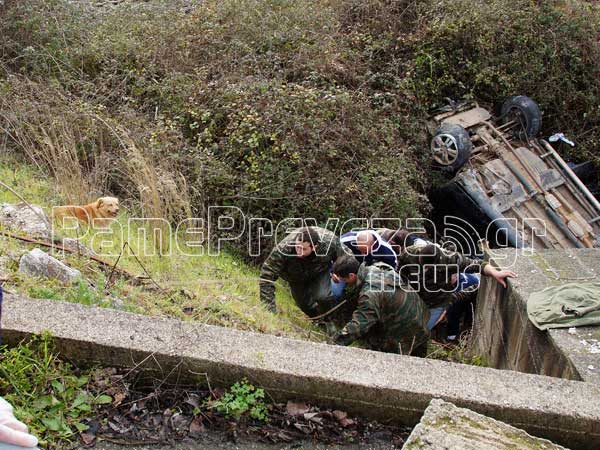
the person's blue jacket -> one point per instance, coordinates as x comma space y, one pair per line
468, 280
381, 251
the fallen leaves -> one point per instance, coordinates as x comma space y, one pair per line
296, 409
197, 427
160, 414
342, 418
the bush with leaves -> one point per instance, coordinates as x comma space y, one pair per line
285, 109
257, 108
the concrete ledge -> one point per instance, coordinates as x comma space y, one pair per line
373, 384
508, 340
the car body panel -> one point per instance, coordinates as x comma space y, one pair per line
523, 188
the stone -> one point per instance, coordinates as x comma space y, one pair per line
23, 218
77, 247
117, 303
5, 272
444, 426
361, 382
37, 263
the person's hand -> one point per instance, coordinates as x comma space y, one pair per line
454, 279
12, 431
500, 275
335, 278
441, 318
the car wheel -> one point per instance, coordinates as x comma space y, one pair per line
451, 146
525, 113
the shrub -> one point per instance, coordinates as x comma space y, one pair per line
283, 108
256, 105
489, 50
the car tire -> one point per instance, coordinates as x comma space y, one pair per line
526, 113
451, 146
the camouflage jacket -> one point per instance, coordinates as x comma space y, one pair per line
283, 263
389, 315
432, 281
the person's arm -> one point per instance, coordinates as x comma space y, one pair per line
463, 263
499, 275
13, 431
269, 273
469, 265
387, 255
364, 317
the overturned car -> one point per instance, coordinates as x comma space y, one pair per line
508, 185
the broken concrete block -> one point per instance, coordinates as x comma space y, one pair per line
445, 426
37, 263
30, 220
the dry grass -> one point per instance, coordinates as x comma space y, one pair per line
87, 153
216, 290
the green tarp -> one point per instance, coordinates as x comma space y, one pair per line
569, 305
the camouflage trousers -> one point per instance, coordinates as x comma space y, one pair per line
314, 296
407, 345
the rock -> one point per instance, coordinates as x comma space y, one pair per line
77, 247
37, 263
445, 426
117, 303
4, 269
21, 218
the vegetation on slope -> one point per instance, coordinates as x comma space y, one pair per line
282, 108
216, 290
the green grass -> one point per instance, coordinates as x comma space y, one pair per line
217, 290
47, 394
25, 180
461, 352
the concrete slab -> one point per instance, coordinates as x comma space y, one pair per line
506, 338
371, 384
582, 347
446, 427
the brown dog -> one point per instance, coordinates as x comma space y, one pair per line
98, 214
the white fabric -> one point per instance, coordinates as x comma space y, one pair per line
13, 431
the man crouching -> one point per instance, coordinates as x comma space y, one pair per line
304, 260
389, 316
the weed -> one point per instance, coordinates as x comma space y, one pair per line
46, 292
47, 393
242, 398
460, 352
79, 292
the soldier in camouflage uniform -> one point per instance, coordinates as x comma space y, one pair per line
389, 316
303, 259
429, 269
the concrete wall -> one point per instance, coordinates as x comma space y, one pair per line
506, 338
372, 384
